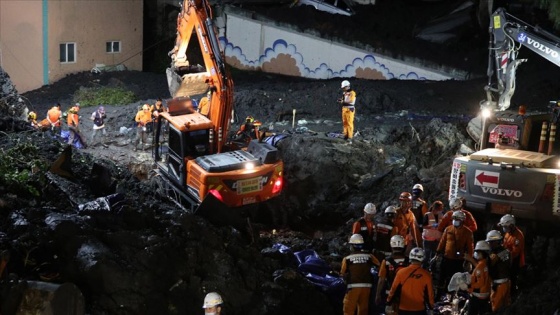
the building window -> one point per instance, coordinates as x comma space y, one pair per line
113, 47
67, 52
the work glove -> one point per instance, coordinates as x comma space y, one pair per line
435, 225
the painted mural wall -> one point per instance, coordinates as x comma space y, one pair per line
256, 45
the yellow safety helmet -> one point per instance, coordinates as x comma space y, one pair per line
145, 107
32, 115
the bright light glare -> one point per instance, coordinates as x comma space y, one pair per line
486, 113
249, 166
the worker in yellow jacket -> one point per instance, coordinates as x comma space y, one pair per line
143, 117
348, 102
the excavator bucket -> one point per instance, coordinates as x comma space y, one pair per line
173, 81
188, 84
474, 128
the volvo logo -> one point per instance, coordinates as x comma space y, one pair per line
502, 192
506, 119
542, 47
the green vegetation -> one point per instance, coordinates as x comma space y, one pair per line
553, 9
22, 169
104, 96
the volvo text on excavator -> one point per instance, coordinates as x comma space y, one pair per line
196, 166
515, 170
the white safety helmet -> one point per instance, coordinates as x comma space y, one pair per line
482, 246
494, 235
345, 84
397, 241
370, 208
507, 220
458, 215
356, 239
417, 254
418, 186
212, 299
455, 204
391, 209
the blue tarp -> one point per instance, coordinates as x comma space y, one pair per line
65, 134
318, 272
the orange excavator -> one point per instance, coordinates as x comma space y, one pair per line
197, 167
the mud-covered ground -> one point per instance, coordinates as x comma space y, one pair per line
148, 257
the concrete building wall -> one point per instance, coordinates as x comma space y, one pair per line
91, 24
252, 44
21, 43
31, 32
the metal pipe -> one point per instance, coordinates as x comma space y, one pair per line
543, 136
293, 119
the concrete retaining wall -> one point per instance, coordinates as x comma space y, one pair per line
253, 44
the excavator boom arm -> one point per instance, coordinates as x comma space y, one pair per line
186, 80
507, 35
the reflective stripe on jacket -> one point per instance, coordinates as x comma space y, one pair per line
356, 268
481, 283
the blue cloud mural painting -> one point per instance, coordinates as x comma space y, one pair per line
284, 58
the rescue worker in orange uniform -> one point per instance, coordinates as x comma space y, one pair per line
481, 284
356, 271
249, 130
204, 104
405, 222
413, 284
365, 226
385, 230
430, 233
388, 270
53, 117
348, 101
143, 117
500, 271
514, 241
456, 204
456, 242
73, 121
419, 205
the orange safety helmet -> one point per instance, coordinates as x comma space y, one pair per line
405, 196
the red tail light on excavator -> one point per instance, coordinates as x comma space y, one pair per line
216, 194
278, 185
